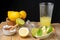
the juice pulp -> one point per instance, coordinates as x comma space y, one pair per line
45, 21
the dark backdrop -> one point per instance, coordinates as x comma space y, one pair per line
31, 7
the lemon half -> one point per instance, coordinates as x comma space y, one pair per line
23, 32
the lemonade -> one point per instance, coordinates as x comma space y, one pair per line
45, 21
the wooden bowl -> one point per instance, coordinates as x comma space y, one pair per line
9, 22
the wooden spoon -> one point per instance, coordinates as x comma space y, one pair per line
12, 27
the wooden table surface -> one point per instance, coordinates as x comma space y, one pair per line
53, 36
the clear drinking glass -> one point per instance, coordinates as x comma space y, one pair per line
46, 10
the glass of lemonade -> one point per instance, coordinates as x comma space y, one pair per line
46, 10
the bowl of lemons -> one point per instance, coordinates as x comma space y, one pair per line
42, 32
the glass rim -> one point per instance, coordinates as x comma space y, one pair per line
44, 3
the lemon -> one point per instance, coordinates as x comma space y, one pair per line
13, 15
20, 21
23, 14
23, 32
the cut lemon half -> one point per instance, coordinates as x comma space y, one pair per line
23, 32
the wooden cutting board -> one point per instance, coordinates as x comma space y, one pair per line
53, 36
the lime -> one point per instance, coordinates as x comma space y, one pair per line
34, 31
49, 29
20, 21
39, 32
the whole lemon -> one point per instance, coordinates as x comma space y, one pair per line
13, 15
23, 14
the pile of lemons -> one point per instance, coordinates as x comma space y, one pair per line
13, 15
17, 17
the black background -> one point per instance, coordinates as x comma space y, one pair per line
30, 6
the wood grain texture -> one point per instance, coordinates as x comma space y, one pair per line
53, 36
